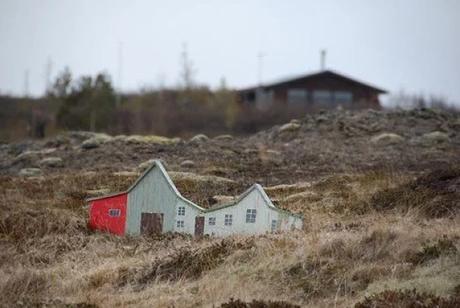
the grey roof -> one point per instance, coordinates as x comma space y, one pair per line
313, 75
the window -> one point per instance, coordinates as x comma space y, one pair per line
343, 97
181, 211
114, 212
228, 219
212, 221
180, 223
264, 99
274, 225
250, 215
297, 96
322, 96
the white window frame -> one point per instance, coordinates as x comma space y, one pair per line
251, 216
228, 221
181, 211
114, 212
180, 224
212, 221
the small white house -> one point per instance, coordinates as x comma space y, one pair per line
153, 204
252, 213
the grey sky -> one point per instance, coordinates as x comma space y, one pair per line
410, 44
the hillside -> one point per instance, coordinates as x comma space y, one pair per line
379, 191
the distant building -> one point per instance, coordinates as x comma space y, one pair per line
153, 205
321, 90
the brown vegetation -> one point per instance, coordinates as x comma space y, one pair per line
376, 220
407, 298
436, 194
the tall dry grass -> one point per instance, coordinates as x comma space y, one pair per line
349, 249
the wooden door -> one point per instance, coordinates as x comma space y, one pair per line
199, 226
151, 223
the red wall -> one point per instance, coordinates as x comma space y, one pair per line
99, 218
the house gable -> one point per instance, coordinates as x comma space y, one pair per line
151, 194
154, 192
254, 198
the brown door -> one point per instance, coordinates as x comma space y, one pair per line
151, 223
199, 226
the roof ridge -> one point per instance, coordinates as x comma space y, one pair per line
159, 164
309, 75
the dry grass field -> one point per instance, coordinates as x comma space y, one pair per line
379, 192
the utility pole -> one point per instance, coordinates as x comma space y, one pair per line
187, 68
260, 64
119, 74
26, 83
323, 60
48, 71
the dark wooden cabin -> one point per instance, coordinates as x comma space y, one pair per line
321, 90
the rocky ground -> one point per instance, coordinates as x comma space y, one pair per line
379, 191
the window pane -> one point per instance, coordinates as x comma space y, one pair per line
343, 97
322, 96
228, 220
250, 215
114, 212
274, 225
297, 96
212, 221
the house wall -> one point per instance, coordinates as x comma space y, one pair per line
152, 194
189, 218
288, 222
363, 96
253, 200
99, 218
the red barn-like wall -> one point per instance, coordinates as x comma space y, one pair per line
99, 214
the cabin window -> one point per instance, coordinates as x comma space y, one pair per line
250, 215
322, 96
181, 211
180, 223
264, 99
274, 225
212, 221
343, 97
297, 96
228, 219
114, 212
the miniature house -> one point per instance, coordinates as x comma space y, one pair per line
153, 205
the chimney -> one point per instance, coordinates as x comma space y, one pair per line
323, 59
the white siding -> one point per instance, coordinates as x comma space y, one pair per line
152, 194
265, 215
155, 193
189, 218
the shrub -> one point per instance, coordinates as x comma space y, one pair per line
184, 263
435, 195
257, 304
407, 298
429, 252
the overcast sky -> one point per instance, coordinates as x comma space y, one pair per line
407, 44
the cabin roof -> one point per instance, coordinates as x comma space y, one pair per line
310, 76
